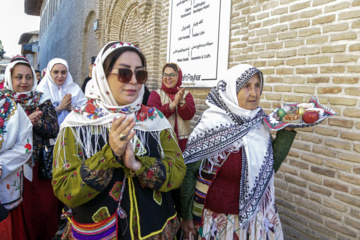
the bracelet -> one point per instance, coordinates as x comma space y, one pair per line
39, 124
57, 110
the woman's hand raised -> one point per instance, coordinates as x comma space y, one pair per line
64, 104
119, 140
179, 96
181, 93
130, 159
35, 117
120, 134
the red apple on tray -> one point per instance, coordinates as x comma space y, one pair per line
310, 116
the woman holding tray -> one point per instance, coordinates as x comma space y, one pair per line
228, 190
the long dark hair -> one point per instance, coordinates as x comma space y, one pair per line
111, 59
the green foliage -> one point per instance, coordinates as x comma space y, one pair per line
2, 51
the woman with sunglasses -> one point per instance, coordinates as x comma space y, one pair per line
59, 84
115, 159
174, 102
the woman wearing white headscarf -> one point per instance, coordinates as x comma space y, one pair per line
228, 190
116, 160
15, 151
58, 83
40, 204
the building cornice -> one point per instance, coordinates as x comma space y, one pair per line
25, 37
32, 7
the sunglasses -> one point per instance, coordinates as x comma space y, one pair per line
124, 75
171, 75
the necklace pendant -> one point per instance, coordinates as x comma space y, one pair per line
121, 212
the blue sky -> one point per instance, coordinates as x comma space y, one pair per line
13, 23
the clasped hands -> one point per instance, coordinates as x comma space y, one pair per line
65, 104
179, 96
35, 117
121, 133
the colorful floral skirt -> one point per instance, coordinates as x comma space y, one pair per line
226, 226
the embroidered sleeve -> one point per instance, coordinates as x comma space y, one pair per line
163, 174
281, 146
96, 179
49, 127
76, 181
154, 176
187, 190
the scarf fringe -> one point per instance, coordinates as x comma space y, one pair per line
83, 140
217, 159
141, 137
266, 202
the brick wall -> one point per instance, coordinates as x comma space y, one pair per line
303, 47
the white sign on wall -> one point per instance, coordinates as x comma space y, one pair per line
198, 39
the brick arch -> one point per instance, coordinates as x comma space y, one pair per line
116, 13
100, 15
88, 21
130, 26
151, 37
138, 21
90, 44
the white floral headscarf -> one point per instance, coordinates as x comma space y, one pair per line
29, 99
101, 108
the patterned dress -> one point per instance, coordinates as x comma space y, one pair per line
16, 139
224, 223
40, 204
102, 192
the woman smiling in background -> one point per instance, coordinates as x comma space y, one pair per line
58, 83
40, 204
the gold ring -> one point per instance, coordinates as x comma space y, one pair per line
122, 137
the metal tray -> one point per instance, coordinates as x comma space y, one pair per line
271, 122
